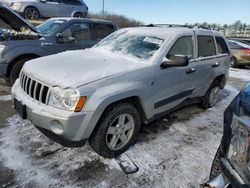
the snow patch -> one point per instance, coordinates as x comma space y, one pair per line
240, 74
5, 97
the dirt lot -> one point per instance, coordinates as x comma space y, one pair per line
175, 151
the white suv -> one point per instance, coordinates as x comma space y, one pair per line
34, 9
134, 75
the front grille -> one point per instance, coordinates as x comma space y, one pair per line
34, 89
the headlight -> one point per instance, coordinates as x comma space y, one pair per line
67, 99
16, 5
1, 50
2, 47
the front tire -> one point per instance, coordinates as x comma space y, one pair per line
115, 130
31, 13
216, 168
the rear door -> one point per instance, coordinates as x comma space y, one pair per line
66, 7
223, 57
75, 36
204, 62
102, 30
50, 8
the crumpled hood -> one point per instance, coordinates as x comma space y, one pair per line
10, 19
77, 68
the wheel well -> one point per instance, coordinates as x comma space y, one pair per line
16, 59
221, 80
32, 7
136, 102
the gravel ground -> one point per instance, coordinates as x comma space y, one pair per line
174, 151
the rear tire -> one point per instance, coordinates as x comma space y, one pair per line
31, 13
234, 63
79, 15
16, 69
211, 97
216, 168
115, 130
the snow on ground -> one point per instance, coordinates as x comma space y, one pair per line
243, 74
5, 97
175, 151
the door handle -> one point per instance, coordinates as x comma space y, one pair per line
191, 70
215, 65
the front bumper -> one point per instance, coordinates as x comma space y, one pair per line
73, 126
227, 179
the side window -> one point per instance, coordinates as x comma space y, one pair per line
72, 2
54, 1
183, 46
76, 32
206, 46
221, 45
102, 30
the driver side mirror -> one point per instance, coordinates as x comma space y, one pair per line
64, 39
43, 1
175, 61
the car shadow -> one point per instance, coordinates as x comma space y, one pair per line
151, 131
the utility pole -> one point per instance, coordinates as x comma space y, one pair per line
102, 8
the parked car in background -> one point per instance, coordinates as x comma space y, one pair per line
134, 75
231, 165
7, 2
243, 40
240, 53
20, 41
35, 9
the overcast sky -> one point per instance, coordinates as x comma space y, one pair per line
177, 11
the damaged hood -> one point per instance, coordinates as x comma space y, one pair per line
11, 20
81, 67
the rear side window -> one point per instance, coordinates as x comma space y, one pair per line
72, 2
221, 45
183, 46
102, 30
206, 46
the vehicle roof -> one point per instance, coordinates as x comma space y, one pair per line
83, 19
165, 32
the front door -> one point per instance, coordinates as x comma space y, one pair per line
76, 36
175, 84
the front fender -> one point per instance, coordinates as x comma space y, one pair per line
13, 53
103, 97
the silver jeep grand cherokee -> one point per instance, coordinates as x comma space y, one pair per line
133, 76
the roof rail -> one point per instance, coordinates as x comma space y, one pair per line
177, 25
168, 25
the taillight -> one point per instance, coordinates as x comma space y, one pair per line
245, 51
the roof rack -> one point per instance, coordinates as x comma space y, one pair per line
176, 25
168, 25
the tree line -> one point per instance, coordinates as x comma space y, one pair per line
236, 29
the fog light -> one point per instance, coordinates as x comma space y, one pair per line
56, 127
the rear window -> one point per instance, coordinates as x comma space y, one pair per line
206, 46
221, 45
102, 30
